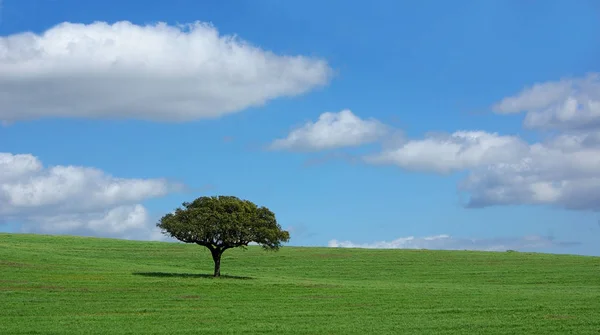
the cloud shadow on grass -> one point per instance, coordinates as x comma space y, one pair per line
185, 275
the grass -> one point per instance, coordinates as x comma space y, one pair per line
75, 285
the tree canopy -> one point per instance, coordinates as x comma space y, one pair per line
223, 222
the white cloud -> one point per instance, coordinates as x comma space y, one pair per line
130, 221
76, 200
504, 170
448, 242
564, 104
563, 172
447, 153
152, 72
330, 131
15, 167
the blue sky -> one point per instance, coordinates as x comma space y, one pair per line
101, 139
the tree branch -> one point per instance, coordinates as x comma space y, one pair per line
205, 244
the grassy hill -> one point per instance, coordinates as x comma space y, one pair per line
63, 285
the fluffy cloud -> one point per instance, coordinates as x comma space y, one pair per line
332, 130
562, 171
444, 153
152, 72
129, 222
75, 200
504, 170
565, 104
451, 243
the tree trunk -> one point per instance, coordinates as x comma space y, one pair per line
216, 255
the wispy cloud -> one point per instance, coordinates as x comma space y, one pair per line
448, 242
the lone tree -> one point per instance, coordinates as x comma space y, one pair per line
223, 222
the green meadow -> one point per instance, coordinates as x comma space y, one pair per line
76, 285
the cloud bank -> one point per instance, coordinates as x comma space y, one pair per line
76, 200
153, 72
447, 242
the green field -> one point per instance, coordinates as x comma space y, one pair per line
75, 285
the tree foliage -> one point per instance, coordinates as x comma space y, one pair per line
223, 222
